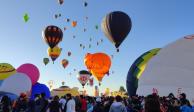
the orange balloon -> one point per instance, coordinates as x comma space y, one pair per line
98, 64
64, 63
74, 23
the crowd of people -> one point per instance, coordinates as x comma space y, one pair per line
68, 103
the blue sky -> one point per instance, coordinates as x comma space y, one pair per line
155, 24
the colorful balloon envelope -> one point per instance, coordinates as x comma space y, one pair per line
60, 2
98, 64
85, 4
116, 26
136, 70
46, 61
83, 77
64, 63
74, 23
52, 35
26, 17
69, 53
54, 53
6, 70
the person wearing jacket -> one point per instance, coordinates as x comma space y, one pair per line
70, 104
118, 106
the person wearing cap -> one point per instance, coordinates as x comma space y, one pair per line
98, 107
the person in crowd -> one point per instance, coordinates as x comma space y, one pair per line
84, 104
5, 105
21, 103
43, 103
62, 102
108, 103
185, 107
54, 105
98, 106
70, 104
78, 104
152, 104
118, 106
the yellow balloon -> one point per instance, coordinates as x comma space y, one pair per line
6, 70
54, 53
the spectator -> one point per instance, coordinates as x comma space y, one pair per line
118, 106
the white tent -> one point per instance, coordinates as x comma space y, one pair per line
171, 70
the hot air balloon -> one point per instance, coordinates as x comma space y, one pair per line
116, 26
96, 27
60, 2
86, 18
84, 29
85, 4
26, 17
97, 43
74, 36
136, 70
98, 64
69, 53
52, 35
90, 45
65, 28
67, 19
54, 53
171, 69
80, 45
74, 23
64, 62
56, 16
83, 77
59, 15
45, 61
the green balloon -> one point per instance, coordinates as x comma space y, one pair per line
96, 26
26, 17
46, 61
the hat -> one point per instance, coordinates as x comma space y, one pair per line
98, 99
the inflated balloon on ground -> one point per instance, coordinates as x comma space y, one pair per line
6, 70
136, 70
40, 88
17, 84
31, 71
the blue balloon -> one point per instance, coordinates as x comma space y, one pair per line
40, 88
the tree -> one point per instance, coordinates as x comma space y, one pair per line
122, 89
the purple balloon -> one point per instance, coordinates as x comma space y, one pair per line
31, 71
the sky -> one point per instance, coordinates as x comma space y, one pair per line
155, 23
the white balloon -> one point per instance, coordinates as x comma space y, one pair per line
16, 84
171, 70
